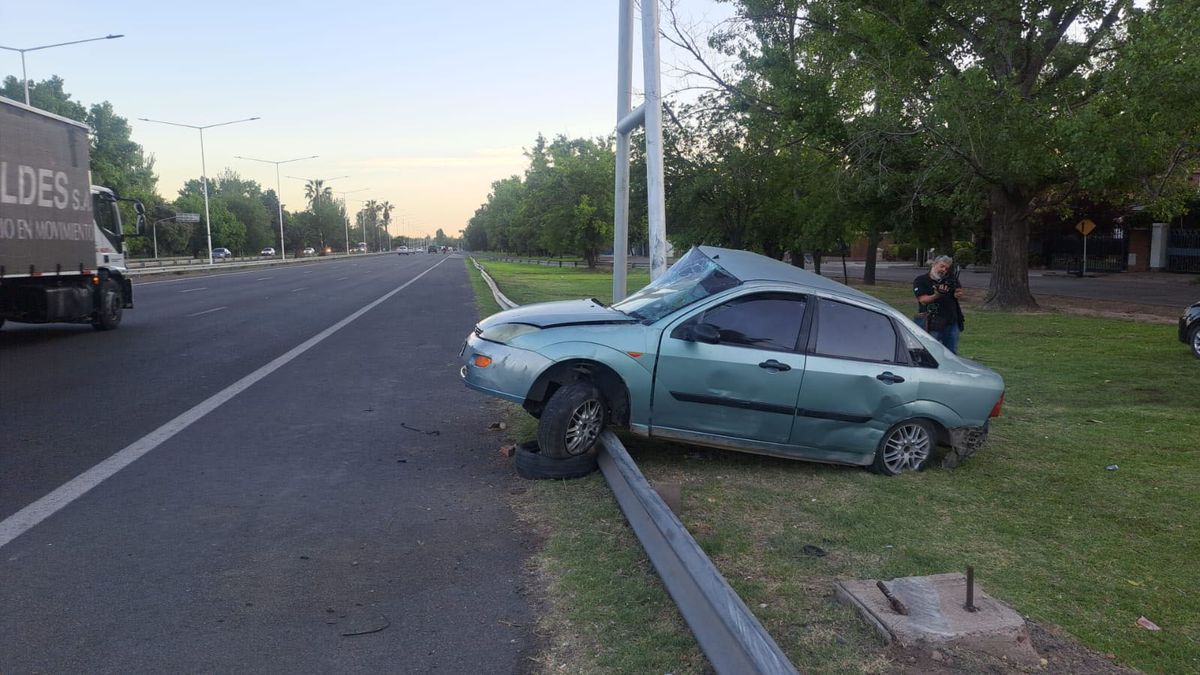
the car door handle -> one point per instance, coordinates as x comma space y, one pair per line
772, 364
889, 378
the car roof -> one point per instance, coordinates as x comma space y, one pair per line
749, 267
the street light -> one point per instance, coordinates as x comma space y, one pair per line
25, 77
343, 193
203, 166
278, 192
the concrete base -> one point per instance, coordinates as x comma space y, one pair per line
936, 616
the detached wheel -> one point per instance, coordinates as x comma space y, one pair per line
905, 447
572, 421
108, 314
531, 463
1195, 341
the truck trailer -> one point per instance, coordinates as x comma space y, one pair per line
62, 249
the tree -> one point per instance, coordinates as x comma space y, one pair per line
1004, 97
316, 191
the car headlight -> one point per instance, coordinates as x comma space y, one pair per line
505, 332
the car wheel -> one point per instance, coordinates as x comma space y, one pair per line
108, 314
572, 421
1195, 341
905, 447
532, 464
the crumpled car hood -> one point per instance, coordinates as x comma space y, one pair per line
560, 313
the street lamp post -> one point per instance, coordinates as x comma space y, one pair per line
203, 167
343, 193
25, 76
278, 192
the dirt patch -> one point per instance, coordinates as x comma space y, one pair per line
1060, 654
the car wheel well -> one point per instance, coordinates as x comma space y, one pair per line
610, 384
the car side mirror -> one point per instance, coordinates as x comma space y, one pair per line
705, 332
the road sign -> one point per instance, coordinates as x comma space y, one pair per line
1085, 227
187, 217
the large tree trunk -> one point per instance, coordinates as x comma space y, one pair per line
798, 259
872, 246
1009, 287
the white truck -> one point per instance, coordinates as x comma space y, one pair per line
62, 251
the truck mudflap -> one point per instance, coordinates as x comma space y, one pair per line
127, 292
964, 442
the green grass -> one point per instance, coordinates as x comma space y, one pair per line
1047, 527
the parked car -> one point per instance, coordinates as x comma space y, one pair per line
402, 250
308, 251
221, 253
432, 249
267, 252
739, 351
1189, 328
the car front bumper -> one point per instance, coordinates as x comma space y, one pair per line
509, 376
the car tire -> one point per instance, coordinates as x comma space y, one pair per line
906, 447
108, 313
532, 464
1194, 340
571, 423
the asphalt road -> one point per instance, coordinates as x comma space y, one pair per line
1157, 288
341, 508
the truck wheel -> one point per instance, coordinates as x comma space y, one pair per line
572, 421
532, 464
108, 314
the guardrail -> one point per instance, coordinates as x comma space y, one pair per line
727, 631
604, 263
142, 267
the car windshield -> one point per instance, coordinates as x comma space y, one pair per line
693, 277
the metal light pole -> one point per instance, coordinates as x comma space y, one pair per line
343, 193
203, 167
278, 192
25, 77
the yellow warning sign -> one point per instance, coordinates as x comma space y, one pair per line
1085, 227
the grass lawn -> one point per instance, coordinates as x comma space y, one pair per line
1049, 528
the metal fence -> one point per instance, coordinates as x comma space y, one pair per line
1105, 252
1183, 251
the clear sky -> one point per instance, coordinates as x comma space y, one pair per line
424, 104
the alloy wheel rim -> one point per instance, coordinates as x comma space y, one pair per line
1196, 341
584, 427
906, 448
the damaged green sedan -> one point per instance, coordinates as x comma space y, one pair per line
735, 350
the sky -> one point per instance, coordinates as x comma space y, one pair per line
423, 104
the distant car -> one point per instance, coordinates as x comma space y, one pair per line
221, 253
1189, 328
308, 251
433, 249
402, 250
267, 252
735, 350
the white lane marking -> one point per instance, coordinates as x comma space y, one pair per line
207, 311
297, 290
306, 272
341, 278
25, 519
192, 290
262, 278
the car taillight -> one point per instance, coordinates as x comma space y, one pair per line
996, 408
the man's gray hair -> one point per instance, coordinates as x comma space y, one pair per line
942, 259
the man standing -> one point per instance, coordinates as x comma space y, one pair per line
938, 294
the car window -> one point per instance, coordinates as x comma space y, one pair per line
916, 351
692, 278
846, 331
763, 321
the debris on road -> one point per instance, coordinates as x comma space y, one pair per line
386, 622
498, 425
427, 433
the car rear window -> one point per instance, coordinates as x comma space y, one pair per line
846, 331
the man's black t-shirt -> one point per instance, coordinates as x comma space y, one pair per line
944, 311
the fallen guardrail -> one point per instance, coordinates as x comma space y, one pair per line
727, 631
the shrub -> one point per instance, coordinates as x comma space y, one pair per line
964, 257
